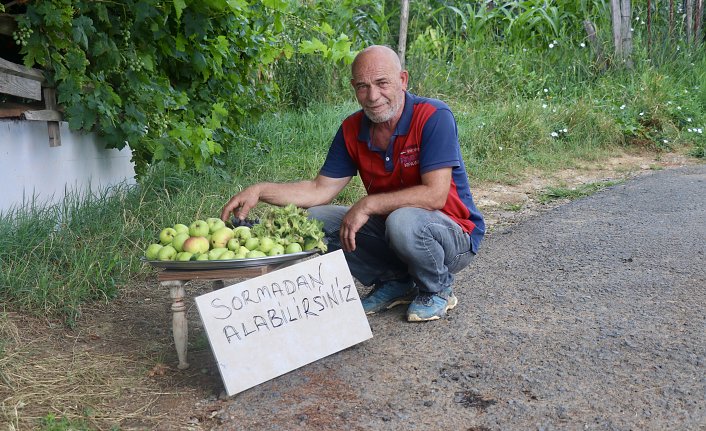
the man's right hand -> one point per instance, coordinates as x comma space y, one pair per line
240, 204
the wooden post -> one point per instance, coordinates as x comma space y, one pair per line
402, 42
180, 329
53, 126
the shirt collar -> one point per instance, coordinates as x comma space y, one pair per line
403, 124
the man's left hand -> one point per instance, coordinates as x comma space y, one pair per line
354, 219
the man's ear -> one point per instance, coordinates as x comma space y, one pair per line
404, 77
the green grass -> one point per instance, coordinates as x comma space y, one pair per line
54, 258
571, 193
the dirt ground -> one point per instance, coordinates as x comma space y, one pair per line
117, 368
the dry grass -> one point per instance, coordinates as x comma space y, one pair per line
40, 378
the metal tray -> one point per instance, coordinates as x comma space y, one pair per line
230, 264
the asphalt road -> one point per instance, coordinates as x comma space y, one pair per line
588, 316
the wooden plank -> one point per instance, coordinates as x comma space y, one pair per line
52, 126
8, 25
19, 70
20, 86
42, 115
218, 274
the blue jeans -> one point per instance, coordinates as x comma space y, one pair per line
425, 245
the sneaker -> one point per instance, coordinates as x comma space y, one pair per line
431, 306
387, 295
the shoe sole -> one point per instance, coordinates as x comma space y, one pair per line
387, 307
453, 301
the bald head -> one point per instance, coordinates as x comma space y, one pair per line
376, 54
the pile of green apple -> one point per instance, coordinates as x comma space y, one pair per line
211, 239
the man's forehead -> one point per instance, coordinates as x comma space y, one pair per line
375, 72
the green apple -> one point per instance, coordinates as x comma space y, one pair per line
233, 245
255, 253
181, 228
252, 243
220, 238
167, 253
266, 244
196, 245
214, 224
241, 255
215, 254
179, 240
167, 235
152, 250
202, 256
242, 233
242, 250
293, 248
184, 256
227, 255
276, 250
198, 228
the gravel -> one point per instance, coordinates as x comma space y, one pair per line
588, 316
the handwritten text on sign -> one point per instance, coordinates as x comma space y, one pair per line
269, 325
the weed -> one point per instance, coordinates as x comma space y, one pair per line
555, 193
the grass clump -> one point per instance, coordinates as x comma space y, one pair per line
571, 193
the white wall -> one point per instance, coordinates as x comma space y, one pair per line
28, 166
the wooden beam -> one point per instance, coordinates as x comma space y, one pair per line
53, 126
19, 70
8, 24
20, 86
42, 115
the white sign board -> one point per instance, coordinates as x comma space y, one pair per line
272, 324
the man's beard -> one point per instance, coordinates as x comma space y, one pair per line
384, 116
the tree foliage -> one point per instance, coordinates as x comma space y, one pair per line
174, 80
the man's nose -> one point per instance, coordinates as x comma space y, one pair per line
373, 93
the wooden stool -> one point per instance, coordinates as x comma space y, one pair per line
174, 279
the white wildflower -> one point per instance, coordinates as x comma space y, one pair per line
622, 106
582, 45
551, 45
544, 106
554, 135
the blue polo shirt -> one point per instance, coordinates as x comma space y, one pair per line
425, 139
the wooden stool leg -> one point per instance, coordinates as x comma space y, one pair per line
180, 329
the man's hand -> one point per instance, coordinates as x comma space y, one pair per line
354, 219
241, 204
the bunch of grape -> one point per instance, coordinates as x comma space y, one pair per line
236, 222
135, 64
21, 35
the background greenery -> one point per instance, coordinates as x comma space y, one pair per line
213, 96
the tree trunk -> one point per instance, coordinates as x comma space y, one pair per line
622, 36
649, 28
593, 41
626, 32
616, 18
698, 22
404, 19
689, 21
